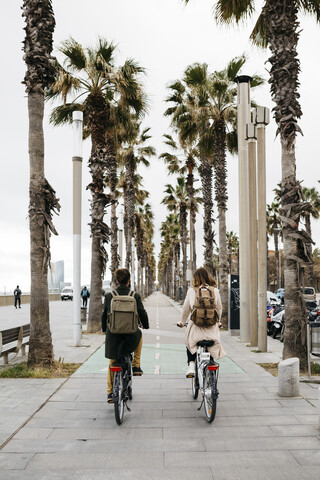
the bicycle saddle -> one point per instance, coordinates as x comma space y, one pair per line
205, 343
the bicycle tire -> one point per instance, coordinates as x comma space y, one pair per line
119, 402
209, 388
195, 383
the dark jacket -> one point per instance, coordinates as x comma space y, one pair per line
117, 344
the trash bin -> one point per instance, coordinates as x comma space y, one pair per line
83, 315
315, 337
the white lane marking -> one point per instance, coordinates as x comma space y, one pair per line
158, 338
157, 356
157, 345
156, 369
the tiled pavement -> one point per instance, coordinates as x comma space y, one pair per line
255, 434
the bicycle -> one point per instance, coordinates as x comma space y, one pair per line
206, 379
122, 386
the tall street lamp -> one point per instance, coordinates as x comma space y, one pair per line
243, 97
262, 118
251, 137
77, 121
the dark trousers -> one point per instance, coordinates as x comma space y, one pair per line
191, 356
17, 300
84, 301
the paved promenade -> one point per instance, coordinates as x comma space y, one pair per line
71, 432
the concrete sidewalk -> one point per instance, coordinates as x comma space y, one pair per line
255, 433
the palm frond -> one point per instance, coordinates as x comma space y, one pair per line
310, 7
106, 50
259, 33
76, 58
229, 11
63, 113
235, 66
196, 74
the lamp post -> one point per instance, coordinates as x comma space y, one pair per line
77, 121
120, 239
262, 118
243, 97
251, 137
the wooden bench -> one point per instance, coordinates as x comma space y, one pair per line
12, 340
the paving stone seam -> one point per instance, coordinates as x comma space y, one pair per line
31, 416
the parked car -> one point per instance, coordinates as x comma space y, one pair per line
272, 299
280, 294
309, 294
67, 293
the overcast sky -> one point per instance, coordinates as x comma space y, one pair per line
164, 36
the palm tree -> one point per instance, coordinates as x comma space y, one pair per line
188, 119
168, 269
215, 109
40, 73
312, 196
135, 153
183, 166
176, 200
232, 248
278, 27
274, 226
108, 92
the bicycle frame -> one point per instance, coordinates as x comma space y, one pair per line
206, 380
122, 386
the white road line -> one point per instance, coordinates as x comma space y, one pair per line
157, 356
157, 337
157, 345
156, 369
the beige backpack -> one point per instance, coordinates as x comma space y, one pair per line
123, 317
205, 313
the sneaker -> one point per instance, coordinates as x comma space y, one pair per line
137, 371
191, 370
110, 399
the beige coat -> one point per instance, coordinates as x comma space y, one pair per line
195, 334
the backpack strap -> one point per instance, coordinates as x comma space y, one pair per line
114, 293
211, 298
132, 293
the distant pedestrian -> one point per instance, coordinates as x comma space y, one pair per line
17, 297
85, 295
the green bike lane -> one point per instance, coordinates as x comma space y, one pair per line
163, 351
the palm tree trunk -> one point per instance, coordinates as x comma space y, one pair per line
223, 266
221, 197
311, 281
40, 344
190, 190
129, 192
40, 74
100, 232
205, 171
184, 233
276, 253
112, 172
282, 28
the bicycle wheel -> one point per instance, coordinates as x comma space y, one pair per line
209, 389
119, 401
195, 382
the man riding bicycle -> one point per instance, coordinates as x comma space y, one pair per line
118, 345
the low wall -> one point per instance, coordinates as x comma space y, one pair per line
7, 300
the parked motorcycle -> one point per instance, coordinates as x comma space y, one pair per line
269, 322
277, 318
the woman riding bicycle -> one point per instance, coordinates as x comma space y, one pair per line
194, 334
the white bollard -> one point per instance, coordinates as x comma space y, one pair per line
288, 378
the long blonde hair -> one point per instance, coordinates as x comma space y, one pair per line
202, 277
